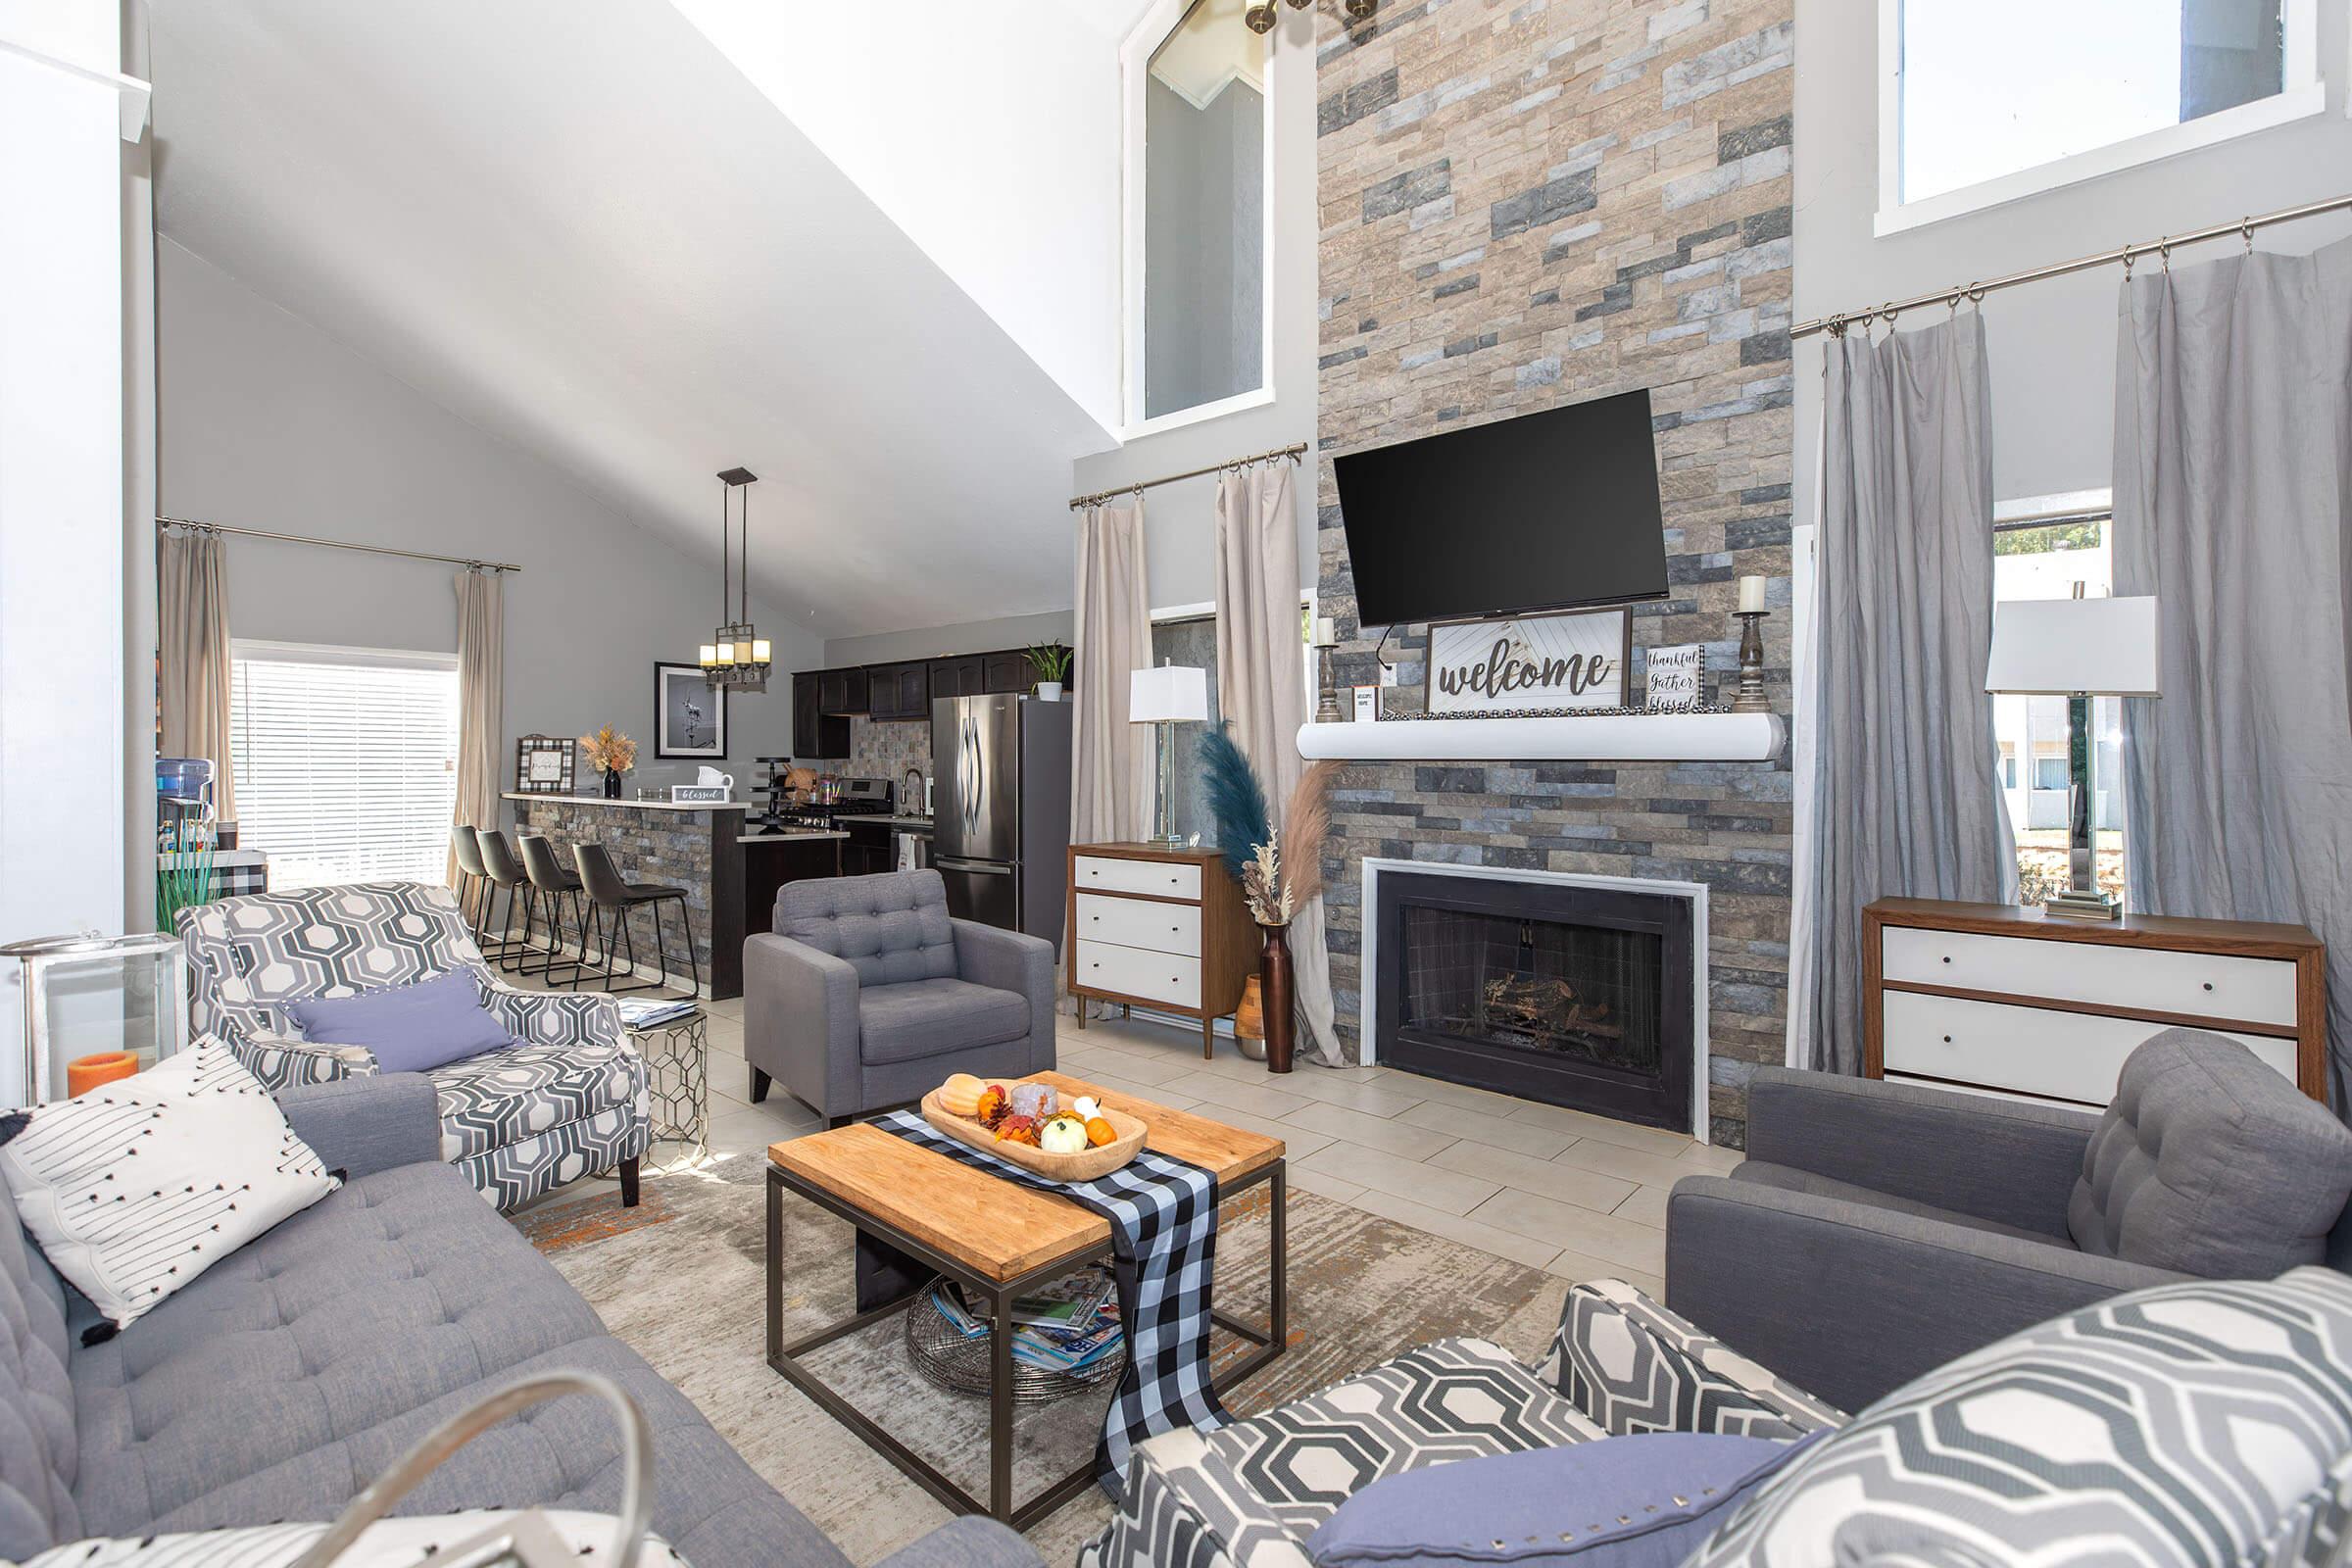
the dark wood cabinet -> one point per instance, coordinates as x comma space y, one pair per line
1006, 672
897, 691
871, 850
962, 676
842, 692
815, 733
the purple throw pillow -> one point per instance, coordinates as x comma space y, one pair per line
411, 1028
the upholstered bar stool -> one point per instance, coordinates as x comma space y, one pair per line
555, 889
614, 896
475, 891
503, 867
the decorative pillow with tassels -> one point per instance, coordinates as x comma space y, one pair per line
138, 1186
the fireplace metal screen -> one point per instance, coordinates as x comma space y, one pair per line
1535, 985
1559, 992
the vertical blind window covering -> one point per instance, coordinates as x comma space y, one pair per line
346, 761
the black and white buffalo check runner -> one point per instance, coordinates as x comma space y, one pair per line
1163, 1228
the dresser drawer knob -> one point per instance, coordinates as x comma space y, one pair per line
1947, 957
1947, 1040
2209, 984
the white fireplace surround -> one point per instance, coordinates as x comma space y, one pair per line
1367, 984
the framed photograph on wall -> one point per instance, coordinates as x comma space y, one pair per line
1568, 659
690, 714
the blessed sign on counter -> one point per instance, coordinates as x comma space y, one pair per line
1576, 660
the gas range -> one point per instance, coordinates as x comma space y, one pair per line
853, 797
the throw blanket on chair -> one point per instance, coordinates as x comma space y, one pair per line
1163, 1230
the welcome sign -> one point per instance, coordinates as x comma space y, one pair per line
1574, 659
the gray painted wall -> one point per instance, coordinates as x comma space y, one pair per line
2052, 344
1179, 519
268, 422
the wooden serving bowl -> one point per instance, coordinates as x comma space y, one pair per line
1084, 1166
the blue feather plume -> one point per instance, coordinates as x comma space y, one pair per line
1236, 801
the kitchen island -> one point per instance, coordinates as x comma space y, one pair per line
729, 869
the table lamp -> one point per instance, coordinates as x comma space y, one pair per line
1169, 696
2076, 648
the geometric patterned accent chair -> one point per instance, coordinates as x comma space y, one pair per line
1249, 1495
568, 1097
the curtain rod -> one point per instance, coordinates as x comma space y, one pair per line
1295, 449
335, 544
1836, 325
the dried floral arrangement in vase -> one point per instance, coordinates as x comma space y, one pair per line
1280, 868
612, 753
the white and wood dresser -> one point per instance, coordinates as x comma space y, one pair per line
2008, 1001
1159, 928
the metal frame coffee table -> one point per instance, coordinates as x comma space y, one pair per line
997, 1240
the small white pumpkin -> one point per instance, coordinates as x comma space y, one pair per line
1062, 1135
1086, 1107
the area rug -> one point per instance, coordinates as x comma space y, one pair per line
680, 1280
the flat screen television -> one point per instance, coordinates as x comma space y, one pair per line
1547, 510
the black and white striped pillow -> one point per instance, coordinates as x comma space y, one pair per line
138, 1186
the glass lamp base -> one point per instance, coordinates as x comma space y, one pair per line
2077, 904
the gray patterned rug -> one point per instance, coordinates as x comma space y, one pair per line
679, 1279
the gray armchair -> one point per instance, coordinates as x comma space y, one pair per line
866, 994
1878, 1230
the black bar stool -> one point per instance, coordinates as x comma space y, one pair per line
611, 894
504, 868
475, 891
552, 883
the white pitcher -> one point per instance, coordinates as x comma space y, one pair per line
712, 775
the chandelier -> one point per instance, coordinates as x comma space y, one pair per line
1262, 15
736, 654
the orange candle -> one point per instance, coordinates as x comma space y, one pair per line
84, 1073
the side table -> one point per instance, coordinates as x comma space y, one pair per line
676, 1054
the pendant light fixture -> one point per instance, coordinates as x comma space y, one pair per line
737, 655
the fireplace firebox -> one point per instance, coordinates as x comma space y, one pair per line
1571, 995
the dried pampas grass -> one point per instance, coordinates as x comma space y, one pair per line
1305, 825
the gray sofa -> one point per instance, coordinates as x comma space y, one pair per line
290, 1374
1878, 1230
865, 994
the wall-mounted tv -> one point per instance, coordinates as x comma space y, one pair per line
1543, 512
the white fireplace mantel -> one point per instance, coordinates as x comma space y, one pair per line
1617, 737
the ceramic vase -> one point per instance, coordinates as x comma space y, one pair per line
1048, 691
1274, 987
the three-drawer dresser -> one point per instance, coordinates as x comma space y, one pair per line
2009, 1001
1159, 928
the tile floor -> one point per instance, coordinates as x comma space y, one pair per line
1578, 1196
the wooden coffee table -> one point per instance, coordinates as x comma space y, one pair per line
997, 1240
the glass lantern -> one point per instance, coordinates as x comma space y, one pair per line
88, 995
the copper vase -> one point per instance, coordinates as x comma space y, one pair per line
1274, 986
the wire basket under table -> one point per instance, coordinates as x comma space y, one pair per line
948, 1360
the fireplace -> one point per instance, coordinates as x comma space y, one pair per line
1576, 993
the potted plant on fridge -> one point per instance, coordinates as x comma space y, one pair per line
1051, 662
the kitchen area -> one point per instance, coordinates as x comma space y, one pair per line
960, 763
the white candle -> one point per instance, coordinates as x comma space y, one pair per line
1326, 631
1751, 595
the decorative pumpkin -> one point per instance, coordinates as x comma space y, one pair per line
1099, 1132
960, 1095
1086, 1107
1062, 1135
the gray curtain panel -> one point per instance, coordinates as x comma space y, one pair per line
193, 666
482, 700
1261, 686
2232, 473
1904, 797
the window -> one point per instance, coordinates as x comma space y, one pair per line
1186, 634
346, 761
2040, 549
1988, 100
1198, 327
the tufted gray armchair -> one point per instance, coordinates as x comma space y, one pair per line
866, 994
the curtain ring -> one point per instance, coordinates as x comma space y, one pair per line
2128, 259
2248, 229
2164, 253
1951, 301
1975, 295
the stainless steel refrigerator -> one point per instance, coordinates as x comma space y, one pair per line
1000, 809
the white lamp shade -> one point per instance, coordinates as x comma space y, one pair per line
2062, 647
1172, 692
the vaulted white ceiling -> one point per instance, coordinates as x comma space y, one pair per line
585, 228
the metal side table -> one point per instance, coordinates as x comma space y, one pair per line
676, 1054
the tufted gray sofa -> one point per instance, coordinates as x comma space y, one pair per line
865, 994
291, 1373
1878, 1230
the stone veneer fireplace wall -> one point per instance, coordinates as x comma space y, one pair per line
1531, 203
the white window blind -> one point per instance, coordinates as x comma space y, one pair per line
346, 761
